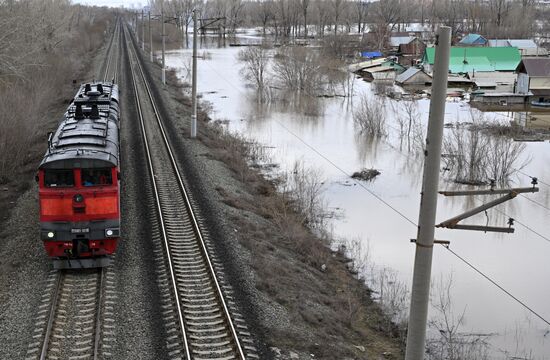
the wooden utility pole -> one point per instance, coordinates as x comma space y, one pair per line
194, 81
420, 295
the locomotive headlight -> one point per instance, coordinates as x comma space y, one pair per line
78, 198
113, 232
51, 234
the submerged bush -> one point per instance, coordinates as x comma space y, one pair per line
370, 116
473, 156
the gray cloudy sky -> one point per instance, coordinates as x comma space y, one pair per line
113, 3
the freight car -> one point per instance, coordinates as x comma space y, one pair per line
78, 181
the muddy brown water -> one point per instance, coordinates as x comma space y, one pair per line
330, 143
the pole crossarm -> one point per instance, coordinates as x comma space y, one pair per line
452, 223
489, 192
211, 21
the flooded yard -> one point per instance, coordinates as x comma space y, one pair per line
381, 214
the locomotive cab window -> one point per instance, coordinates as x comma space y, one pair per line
96, 177
58, 178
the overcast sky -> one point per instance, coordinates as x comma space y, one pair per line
113, 3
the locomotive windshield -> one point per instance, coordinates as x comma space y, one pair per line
96, 177
58, 178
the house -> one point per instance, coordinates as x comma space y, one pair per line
411, 51
527, 47
534, 78
494, 81
413, 76
473, 40
470, 60
387, 70
398, 39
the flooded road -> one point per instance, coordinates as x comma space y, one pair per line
382, 214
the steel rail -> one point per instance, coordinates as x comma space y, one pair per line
52, 315
109, 53
51, 318
191, 213
159, 209
97, 334
115, 74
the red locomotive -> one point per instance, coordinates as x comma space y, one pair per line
79, 181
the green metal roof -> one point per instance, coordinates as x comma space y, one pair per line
468, 59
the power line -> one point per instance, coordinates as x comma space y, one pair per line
403, 215
345, 173
535, 202
532, 177
327, 159
519, 222
497, 285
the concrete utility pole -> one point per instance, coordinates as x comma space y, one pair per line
142, 31
420, 295
194, 82
150, 38
163, 48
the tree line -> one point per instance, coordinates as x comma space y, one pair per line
306, 18
44, 46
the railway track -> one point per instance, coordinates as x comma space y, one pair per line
75, 318
110, 67
201, 320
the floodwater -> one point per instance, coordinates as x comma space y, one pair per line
382, 214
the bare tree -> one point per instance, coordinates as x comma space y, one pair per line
473, 156
387, 13
298, 68
361, 11
304, 5
450, 342
369, 115
337, 9
256, 61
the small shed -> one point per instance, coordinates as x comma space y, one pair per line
473, 40
534, 77
413, 76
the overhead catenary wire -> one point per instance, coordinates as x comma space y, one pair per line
519, 222
497, 285
532, 177
403, 216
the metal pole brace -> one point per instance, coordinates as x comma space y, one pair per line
453, 223
445, 243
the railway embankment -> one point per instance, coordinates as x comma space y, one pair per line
298, 295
